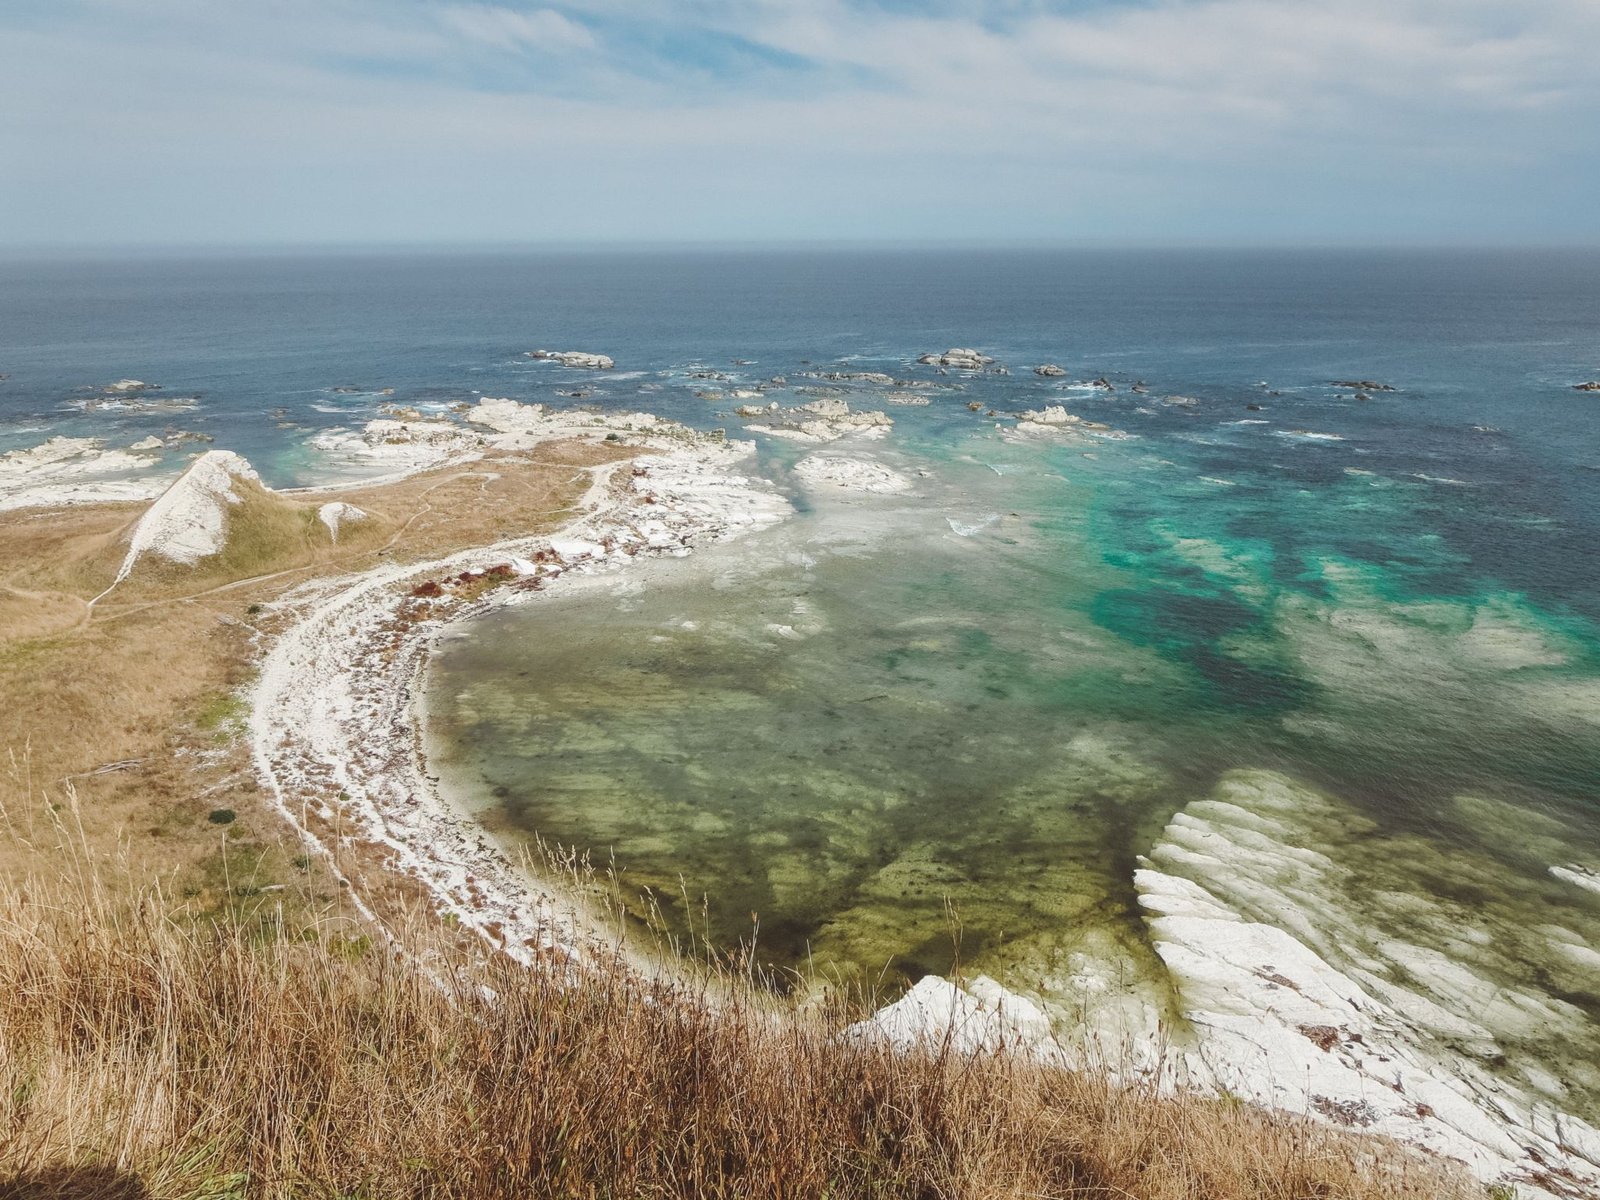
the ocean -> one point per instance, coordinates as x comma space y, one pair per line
1355, 629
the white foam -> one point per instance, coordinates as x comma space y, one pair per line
967, 528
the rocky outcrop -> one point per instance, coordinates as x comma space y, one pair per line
824, 420
1579, 876
1592, 385
575, 358
980, 1018
1055, 414
339, 513
68, 470
962, 360
389, 447
1050, 370
1362, 385
877, 377
1057, 420
850, 474
440, 434
188, 521
1297, 979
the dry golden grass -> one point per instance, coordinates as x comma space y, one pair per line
144, 678
143, 1056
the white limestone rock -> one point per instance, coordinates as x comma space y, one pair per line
1579, 876
188, 521
575, 358
1299, 994
961, 359
339, 513
850, 474
1054, 414
982, 1017
824, 420
69, 470
395, 448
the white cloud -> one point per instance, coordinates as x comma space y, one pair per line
513, 29
1171, 118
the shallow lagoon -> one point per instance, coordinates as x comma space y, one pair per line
898, 734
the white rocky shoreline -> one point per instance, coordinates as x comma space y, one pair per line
1290, 1006
336, 723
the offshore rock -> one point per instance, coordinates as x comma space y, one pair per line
575, 358
850, 474
824, 420
877, 377
964, 360
1055, 414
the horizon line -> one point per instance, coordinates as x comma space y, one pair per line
120, 250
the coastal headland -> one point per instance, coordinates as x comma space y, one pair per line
222, 686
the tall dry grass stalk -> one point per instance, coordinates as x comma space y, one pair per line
143, 1055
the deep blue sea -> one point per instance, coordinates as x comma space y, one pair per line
995, 697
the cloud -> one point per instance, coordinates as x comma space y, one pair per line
1158, 119
511, 29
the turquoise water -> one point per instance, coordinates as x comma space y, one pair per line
896, 732
829, 736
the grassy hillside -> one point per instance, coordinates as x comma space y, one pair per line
141, 1052
132, 701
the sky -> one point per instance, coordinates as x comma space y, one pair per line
299, 122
